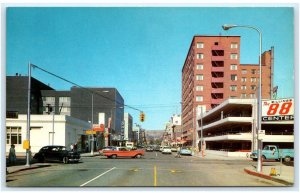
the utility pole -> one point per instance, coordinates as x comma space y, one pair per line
28, 115
92, 144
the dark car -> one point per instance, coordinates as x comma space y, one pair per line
149, 148
57, 153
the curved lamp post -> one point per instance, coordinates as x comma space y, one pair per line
259, 113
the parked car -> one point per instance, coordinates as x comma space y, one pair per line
57, 153
123, 152
156, 148
105, 148
273, 152
185, 151
149, 148
166, 150
174, 149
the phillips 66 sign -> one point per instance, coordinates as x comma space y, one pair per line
278, 110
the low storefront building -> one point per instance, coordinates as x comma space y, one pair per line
46, 130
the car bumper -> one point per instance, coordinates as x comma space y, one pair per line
74, 159
253, 156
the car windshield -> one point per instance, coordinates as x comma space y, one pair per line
166, 147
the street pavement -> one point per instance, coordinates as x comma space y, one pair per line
153, 170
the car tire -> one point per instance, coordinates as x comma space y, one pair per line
113, 156
287, 159
138, 156
263, 158
65, 160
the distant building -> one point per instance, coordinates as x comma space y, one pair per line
128, 135
212, 73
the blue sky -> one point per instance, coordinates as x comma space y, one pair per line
140, 51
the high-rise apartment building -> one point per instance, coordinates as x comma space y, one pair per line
212, 73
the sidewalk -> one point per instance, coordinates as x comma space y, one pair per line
284, 174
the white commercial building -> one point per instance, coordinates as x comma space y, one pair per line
45, 130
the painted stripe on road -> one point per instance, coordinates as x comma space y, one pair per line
155, 175
97, 177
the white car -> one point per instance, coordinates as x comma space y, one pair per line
166, 150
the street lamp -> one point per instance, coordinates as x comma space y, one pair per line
92, 144
259, 143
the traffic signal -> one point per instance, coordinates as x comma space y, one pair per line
142, 117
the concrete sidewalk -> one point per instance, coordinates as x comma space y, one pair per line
283, 174
18, 168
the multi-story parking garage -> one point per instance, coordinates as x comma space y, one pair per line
230, 129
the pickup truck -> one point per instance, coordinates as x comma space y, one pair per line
123, 152
273, 152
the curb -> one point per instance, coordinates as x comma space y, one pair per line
268, 177
28, 168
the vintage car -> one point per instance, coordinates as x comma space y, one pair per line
123, 152
166, 150
149, 148
106, 148
185, 151
56, 153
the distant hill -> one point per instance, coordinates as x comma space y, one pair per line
154, 134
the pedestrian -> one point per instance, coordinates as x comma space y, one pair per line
87, 147
12, 155
72, 147
75, 147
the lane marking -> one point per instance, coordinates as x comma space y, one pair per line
154, 175
97, 177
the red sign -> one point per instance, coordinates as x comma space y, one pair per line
100, 128
278, 110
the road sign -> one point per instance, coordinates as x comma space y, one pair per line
90, 132
261, 134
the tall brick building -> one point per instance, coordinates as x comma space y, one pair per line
212, 73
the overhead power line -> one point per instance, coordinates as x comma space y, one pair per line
89, 90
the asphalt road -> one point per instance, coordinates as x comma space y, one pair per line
154, 169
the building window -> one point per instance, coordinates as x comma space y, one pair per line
233, 77
244, 79
199, 67
233, 67
13, 135
199, 88
200, 45
216, 43
252, 95
244, 71
253, 79
234, 56
243, 95
253, 71
200, 56
233, 97
233, 87
199, 98
243, 87
234, 45
199, 77
64, 99
49, 99
253, 87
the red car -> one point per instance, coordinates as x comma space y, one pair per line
123, 152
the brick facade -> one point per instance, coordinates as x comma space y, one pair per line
212, 73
